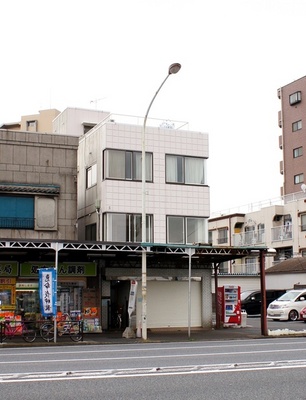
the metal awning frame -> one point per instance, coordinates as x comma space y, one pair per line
210, 255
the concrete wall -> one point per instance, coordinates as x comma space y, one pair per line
40, 159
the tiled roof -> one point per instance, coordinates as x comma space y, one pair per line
297, 264
29, 188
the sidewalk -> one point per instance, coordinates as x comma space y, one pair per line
153, 336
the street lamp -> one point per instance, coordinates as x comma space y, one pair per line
173, 69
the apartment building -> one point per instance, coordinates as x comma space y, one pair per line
41, 122
109, 183
292, 141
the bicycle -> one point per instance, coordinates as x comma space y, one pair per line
64, 326
9, 329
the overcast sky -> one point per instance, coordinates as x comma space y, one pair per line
235, 54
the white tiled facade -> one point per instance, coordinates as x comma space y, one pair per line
123, 196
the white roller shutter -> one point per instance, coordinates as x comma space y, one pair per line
167, 304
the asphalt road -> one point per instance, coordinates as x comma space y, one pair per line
270, 368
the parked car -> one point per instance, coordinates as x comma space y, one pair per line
288, 307
303, 314
251, 299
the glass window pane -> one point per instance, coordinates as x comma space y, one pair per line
196, 230
137, 228
149, 164
175, 229
128, 165
174, 169
115, 164
91, 176
137, 165
115, 227
149, 229
194, 170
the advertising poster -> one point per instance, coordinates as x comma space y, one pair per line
132, 297
47, 291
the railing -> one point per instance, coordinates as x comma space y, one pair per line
16, 223
242, 269
250, 238
281, 233
152, 122
251, 207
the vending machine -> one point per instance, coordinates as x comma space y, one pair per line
229, 305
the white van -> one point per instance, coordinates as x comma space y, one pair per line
288, 306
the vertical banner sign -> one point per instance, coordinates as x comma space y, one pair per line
47, 290
132, 297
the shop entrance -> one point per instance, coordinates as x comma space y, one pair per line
118, 315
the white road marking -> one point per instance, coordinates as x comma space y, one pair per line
152, 356
165, 371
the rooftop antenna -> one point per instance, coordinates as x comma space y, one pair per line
95, 101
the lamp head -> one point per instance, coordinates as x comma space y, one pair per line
174, 68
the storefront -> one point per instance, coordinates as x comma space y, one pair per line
78, 290
8, 276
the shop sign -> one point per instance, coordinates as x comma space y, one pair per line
47, 290
7, 281
8, 268
64, 269
26, 285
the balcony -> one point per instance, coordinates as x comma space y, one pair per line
251, 268
251, 238
281, 233
280, 142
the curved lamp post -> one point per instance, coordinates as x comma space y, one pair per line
173, 69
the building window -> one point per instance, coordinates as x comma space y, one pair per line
303, 222
298, 152
295, 98
187, 170
210, 237
251, 265
222, 235
298, 178
126, 227
261, 233
31, 126
91, 232
186, 230
87, 126
91, 176
16, 212
121, 164
296, 126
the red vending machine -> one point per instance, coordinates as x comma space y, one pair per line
229, 305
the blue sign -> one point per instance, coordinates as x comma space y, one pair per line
47, 291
